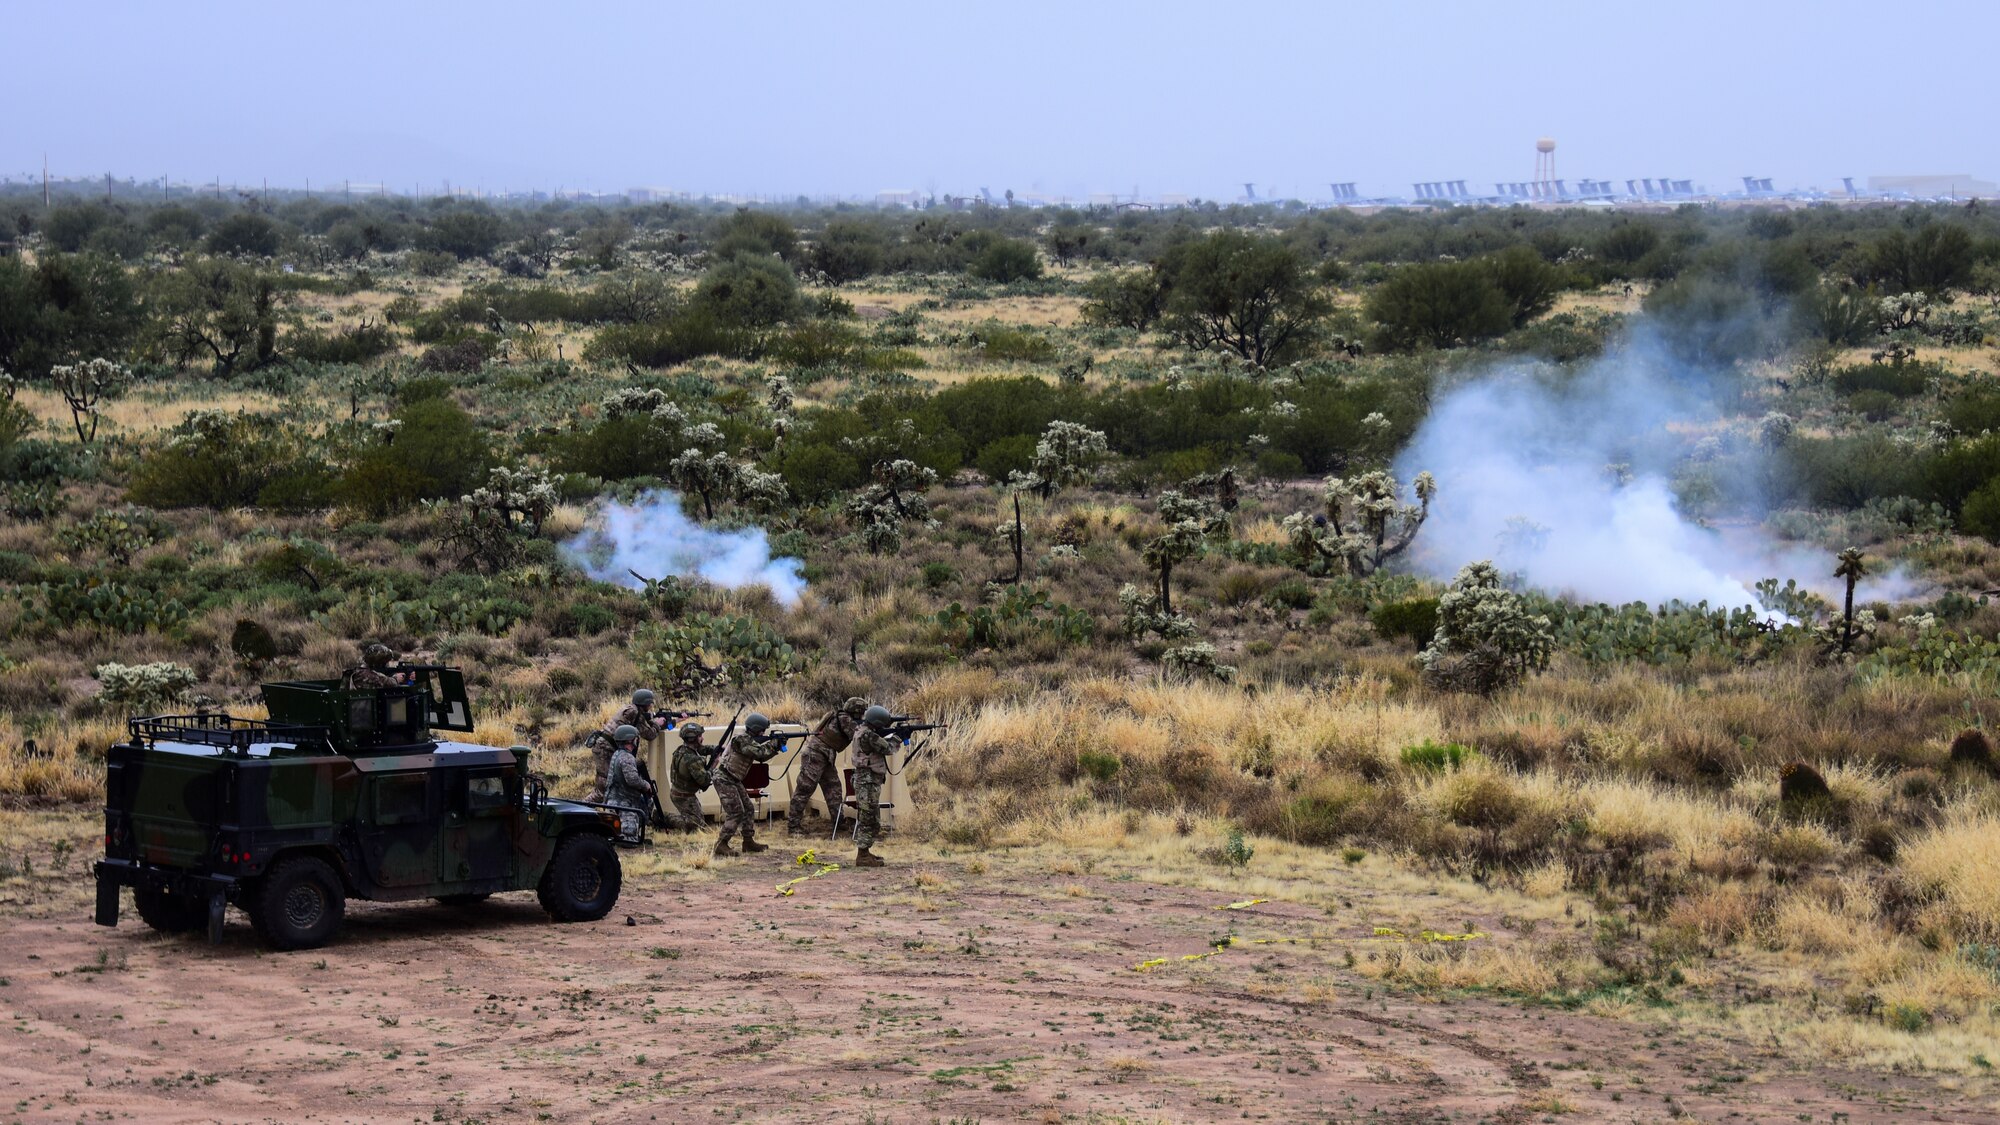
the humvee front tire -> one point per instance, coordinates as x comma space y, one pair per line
170, 913
299, 905
582, 880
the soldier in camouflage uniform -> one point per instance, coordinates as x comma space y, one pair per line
816, 763
744, 750
871, 772
638, 715
623, 785
374, 671
686, 778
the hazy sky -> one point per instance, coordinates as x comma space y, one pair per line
1066, 97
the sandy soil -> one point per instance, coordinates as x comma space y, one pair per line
922, 992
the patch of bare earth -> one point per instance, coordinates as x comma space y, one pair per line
912, 994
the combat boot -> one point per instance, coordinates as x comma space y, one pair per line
751, 847
722, 848
794, 829
866, 858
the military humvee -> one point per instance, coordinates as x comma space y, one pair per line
343, 792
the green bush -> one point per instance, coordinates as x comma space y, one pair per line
1415, 620
626, 447
1001, 459
816, 472
1004, 343
1902, 380
747, 291
675, 340
1439, 305
1436, 756
357, 345
1007, 260
937, 575
1098, 766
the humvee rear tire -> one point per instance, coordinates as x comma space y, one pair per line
582, 880
464, 900
170, 913
299, 905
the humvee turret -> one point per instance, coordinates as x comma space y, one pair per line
343, 792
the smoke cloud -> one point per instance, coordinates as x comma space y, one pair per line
656, 538
1564, 477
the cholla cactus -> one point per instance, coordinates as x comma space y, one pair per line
895, 495
778, 400
83, 386
639, 400
519, 498
1142, 615
760, 490
1775, 429
1064, 456
1365, 523
1905, 310
489, 526
1486, 639
144, 688
1196, 661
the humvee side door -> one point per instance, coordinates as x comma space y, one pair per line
482, 814
399, 831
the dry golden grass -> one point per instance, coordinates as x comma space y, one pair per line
1957, 865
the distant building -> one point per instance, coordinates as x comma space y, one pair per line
1932, 186
899, 197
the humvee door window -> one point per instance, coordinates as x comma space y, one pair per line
361, 713
401, 799
485, 793
397, 712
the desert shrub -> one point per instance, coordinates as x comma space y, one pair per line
1003, 342
1290, 593
1413, 619
748, 291
463, 356
1002, 458
439, 451
674, 340
1901, 379
1436, 757
1007, 260
816, 473
1439, 305
1098, 766
430, 263
356, 345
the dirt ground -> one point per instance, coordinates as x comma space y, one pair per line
944, 988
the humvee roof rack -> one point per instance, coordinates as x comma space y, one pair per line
224, 730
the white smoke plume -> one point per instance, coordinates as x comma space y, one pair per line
656, 538
1565, 479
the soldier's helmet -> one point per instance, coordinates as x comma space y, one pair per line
756, 724
625, 735
377, 655
692, 732
879, 717
643, 698
855, 707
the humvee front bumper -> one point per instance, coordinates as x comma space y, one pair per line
115, 873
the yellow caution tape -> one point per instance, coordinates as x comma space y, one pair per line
1148, 966
1245, 904
809, 859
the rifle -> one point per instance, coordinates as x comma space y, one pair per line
674, 717
715, 755
904, 728
659, 811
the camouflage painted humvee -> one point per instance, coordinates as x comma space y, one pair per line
342, 792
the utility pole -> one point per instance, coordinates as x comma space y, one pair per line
45, 181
